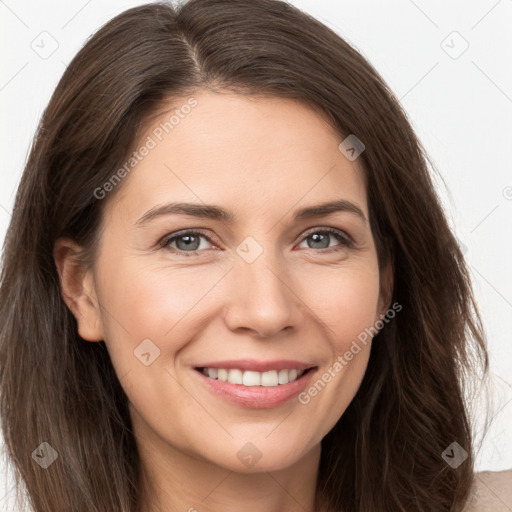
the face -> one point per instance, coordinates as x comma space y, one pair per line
243, 296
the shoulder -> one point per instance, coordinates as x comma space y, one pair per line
492, 490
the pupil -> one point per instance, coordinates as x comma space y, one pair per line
319, 238
189, 241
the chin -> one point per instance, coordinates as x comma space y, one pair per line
260, 456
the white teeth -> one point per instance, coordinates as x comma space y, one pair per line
269, 378
236, 376
283, 377
251, 378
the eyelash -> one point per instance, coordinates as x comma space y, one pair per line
342, 237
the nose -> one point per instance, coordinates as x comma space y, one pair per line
262, 299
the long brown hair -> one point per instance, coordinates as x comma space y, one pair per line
385, 452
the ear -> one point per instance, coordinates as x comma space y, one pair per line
78, 289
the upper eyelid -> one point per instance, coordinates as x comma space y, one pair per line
182, 232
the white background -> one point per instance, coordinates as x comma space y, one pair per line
460, 107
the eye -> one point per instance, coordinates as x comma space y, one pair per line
321, 239
189, 243
186, 242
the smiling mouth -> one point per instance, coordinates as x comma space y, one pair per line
250, 378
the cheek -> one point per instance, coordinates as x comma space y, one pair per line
347, 305
346, 301
147, 301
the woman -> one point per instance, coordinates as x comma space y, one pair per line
228, 281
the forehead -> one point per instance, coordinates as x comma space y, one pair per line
257, 154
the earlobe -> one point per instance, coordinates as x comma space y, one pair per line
78, 289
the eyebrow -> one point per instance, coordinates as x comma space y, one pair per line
210, 211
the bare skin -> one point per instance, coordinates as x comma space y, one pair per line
304, 298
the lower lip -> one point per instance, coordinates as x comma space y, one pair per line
257, 397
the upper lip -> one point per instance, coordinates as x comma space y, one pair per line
258, 366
